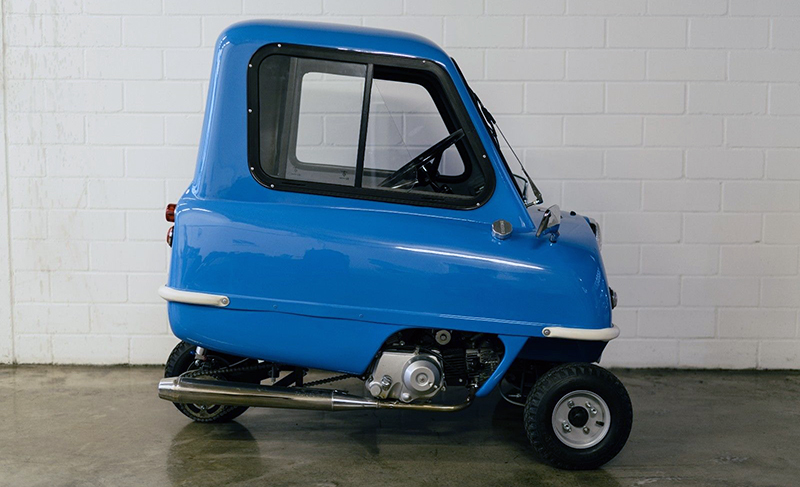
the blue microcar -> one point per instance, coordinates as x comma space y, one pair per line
354, 210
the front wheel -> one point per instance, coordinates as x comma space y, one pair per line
578, 416
182, 359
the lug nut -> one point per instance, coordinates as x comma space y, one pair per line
570, 404
586, 429
566, 426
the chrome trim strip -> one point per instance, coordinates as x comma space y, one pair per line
191, 297
596, 335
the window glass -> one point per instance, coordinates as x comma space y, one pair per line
322, 113
315, 132
403, 122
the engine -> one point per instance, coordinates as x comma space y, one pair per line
406, 376
415, 363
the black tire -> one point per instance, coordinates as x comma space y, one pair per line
551, 390
181, 360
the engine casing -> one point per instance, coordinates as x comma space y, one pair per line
406, 376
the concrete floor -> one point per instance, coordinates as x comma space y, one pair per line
96, 426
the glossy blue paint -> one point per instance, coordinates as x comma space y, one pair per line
321, 281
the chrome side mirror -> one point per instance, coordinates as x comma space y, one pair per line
551, 221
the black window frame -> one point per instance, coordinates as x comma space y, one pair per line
445, 96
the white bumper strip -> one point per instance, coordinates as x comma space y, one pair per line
190, 297
597, 335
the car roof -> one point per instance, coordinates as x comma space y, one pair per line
335, 36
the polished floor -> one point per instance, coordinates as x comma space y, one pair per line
92, 426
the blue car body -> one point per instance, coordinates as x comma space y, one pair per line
322, 281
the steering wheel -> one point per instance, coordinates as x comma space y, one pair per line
425, 165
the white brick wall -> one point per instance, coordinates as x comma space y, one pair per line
675, 123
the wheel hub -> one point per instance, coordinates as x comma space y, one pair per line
581, 419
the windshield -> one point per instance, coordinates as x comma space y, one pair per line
491, 125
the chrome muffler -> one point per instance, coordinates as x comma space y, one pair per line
224, 393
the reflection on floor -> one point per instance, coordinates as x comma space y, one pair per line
106, 426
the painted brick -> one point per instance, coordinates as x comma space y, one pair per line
760, 196
146, 225
781, 292
306, 7
646, 291
719, 291
603, 130
564, 97
644, 163
87, 224
757, 323
48, 193
94, 349
117, 7
483, 32
44, 63
785, 33
641, 32
564, 32
74, 287
784, 99
642, 227
564, 163
516, 7
681, 196
764, 7
683, 131
727, 98
81, 160
783, 164
358, 7
531, 131
687, 7
780, 228
645, 97
125, 129
126, 193
606, 7
128, 319
621, 259
676, 322
729, 33
641, 353
183, 129
162, 32
680, 259
160, 96
204, 7
779, 354
763, 65
758, 260
686, 64
724, 164
128, 256
28, 224
36, 318
720, 228
145, 350
123, 64
729, 354
519, 64
602, 64
192, 64
602, 196
143, 288
33, 349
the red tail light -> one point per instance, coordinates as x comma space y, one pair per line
169, 235
170, 213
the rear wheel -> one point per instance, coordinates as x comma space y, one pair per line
578, 416
182, 359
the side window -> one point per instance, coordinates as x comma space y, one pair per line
360, 129
403, 121
319, 122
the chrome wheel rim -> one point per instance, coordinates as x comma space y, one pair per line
581, 419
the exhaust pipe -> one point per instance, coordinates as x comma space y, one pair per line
223, 393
